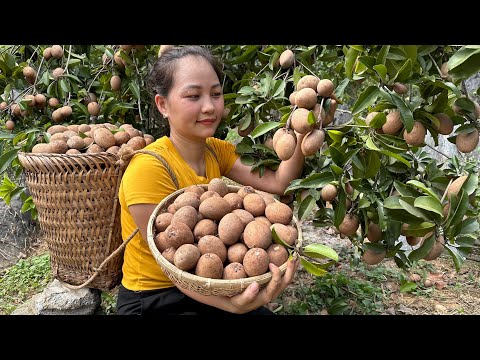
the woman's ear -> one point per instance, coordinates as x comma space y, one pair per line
160, 101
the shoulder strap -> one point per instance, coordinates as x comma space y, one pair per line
209, 148
164, 162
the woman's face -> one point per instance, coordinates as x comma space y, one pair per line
194, 105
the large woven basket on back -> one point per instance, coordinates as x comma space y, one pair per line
202, 285
78, 211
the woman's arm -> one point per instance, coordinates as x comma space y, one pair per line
274, 182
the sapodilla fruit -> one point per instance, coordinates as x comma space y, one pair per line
349, 225
415, 137
400, 88
29, 74
278, 134
331, 113
93, 108
116, 82
329, 192
312, 142
325, 88
467, 142
372, 257
291, 98
437, 249
446, 124
287, 59
300, 121
286, 146
374, 233
308, 81
56, 51
306, 98
455, 186
10, 125
393, 123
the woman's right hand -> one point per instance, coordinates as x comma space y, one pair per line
252, 297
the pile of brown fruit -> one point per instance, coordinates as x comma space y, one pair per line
309, 99
219, 234
95, 138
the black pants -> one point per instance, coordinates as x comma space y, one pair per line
170, 301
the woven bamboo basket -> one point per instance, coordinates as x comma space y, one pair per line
202, 285
76, 197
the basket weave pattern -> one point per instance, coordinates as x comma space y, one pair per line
78, 211
199, 284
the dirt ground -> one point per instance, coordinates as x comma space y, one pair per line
450, 292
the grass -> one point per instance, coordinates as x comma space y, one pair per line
342, 292
30, 276
22, 280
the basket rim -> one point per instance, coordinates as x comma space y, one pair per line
234, 284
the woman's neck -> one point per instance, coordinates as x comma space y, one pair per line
193, 152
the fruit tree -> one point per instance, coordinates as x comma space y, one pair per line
372, 177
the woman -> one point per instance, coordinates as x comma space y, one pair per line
186, 85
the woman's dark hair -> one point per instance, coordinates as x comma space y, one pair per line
160, 78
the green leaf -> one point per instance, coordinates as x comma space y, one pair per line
247, 160
457, 257
278, 240
7, 158
423, 250
465, 104
340, 209
373, 164
316, 180
378, 120
428, 203
382, 54
350, 58
408, 287
134, 89
306, 207
464, 63
456, 216
363, 203
244, 149
419, 229
471, 184
368, 61
422, 186
405, 112
320, 251
341, 87
381, 71
404, 72
64, 85
312, 268
366, 98
413, 210
411, 51
392, 202
264, 128
405, 190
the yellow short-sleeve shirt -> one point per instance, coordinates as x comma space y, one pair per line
146, 181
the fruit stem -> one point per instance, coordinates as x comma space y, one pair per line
138, 100
431, 147
464, 89
445, 193
320, 117
289, 120
435, 63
